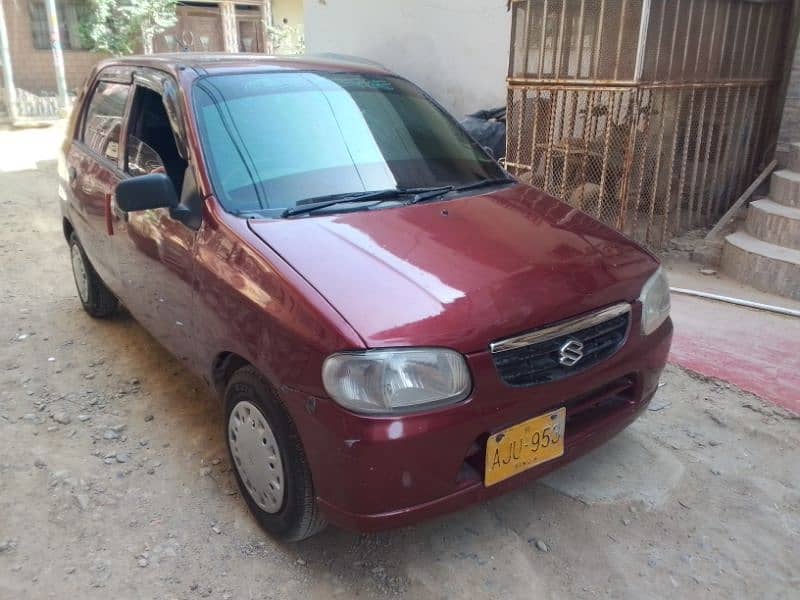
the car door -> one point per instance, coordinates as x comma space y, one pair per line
93, 171
155, 251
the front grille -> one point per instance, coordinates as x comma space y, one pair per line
536, 357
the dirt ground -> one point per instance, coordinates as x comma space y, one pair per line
114, 480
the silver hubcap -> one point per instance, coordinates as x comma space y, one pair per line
80, 274
256, 455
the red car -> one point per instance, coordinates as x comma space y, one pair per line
398, 328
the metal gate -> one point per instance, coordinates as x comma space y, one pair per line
648, 114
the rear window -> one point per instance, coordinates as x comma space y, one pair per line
103, 121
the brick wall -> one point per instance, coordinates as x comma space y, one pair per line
33, 68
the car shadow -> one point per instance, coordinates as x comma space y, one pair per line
474, 540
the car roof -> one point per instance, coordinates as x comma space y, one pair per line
215, 62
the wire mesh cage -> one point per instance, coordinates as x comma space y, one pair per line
653, 137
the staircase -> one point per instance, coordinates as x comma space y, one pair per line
766, 253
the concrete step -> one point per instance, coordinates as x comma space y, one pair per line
774, 223
784, 187
765, 266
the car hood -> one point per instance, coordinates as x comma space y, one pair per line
462, 272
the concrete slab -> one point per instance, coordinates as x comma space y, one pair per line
630, 468
755, 350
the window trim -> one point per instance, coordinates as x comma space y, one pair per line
163, 84
81, 129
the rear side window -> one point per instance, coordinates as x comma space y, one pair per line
103, 122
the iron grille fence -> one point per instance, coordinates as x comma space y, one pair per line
649, 114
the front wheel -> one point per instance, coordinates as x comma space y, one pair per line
271, 467
95, 297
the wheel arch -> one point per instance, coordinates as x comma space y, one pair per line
224, 366
67, 228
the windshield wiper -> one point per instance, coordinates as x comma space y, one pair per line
317, 203
434, 193
485, 183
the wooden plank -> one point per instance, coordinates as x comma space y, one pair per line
714, 234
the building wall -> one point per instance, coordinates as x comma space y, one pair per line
291, 10
790, 122
33, 68
457, 51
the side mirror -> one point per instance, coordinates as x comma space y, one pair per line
145, 192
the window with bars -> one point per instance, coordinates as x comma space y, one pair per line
69, 18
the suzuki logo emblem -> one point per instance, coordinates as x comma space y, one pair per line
570, 353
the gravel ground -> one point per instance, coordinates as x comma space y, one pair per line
114, 480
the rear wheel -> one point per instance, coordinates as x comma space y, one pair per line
269, 460
96, 298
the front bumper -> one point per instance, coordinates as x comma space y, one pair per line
373, 473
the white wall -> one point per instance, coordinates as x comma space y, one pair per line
457, 50
291, 10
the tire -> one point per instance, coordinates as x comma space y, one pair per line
95, 297
265, 449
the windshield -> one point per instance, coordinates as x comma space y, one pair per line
272, 140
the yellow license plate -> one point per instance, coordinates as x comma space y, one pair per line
524, 446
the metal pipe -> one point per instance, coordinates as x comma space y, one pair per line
744, 142
525, 57
755, 43
746, 38
558, 45
520, 121
599, 36
657, 170
581, 16
543, 40
668, 197
567, 148
606, 144
620, 37
699, 40
551, 132
640, 48
697, 146
688, 38
674, 39
587, 132
781, 310
657, 60
739, 11
768, 43
711, 41
535, 131
704, 177
684, 161
719, 151
724, 40
611, 84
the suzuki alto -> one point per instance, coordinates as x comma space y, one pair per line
397, 327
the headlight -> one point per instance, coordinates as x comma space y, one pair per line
388, 381
655, 302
